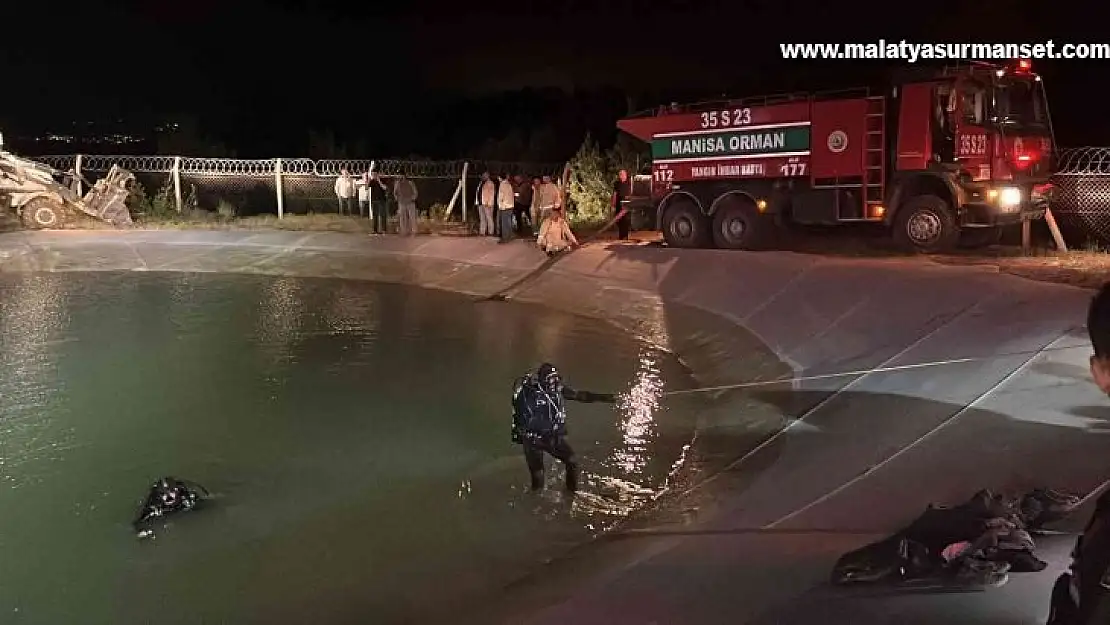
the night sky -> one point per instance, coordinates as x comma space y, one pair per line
440, 79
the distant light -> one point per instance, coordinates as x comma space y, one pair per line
761, 205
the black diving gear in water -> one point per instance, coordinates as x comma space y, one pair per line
167, 496
540, 421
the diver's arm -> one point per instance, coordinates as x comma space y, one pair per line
144, 511
586, 397
196, 488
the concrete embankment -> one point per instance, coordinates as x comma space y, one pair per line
1010, 407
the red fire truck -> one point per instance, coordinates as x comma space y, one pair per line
942, 159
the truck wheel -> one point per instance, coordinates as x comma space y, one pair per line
926, 224
738, 225
685, 226
975, 238
42, 212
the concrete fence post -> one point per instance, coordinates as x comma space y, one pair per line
77, 170
466, 168
177, 183
278, 190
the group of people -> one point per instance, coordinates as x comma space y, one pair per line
507, 205
512, 204
373, 194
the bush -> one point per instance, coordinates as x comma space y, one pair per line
138, 202
437, 211
161, 207
593, 172
226, 210
164, 205
590, 187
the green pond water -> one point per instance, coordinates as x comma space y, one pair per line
356, 437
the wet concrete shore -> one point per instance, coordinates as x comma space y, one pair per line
982, 383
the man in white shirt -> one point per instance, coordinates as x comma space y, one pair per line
364, 207
506, 200
547, 197
404, 191
345, 191
486, 199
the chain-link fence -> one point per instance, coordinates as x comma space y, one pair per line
254, 187
1080, 203
1081, 196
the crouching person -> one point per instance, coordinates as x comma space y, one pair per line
555, 234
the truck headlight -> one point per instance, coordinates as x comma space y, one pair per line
1009, 197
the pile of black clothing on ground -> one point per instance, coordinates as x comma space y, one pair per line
977, 543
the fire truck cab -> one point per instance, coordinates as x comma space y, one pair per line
942, 159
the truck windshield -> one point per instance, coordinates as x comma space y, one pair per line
1020, 104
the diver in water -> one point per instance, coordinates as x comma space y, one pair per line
540, 421
168, 496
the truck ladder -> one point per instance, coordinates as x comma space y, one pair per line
874, 157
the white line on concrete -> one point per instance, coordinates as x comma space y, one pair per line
856, 372
796, 278
783, 431
1094, 493
920, 439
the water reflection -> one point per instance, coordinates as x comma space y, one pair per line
629, 482
278, 324
637, 409
353, 311
33, 318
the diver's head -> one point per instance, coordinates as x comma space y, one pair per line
549, 377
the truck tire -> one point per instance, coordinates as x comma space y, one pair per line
976, 238
685, 226
738, 225
43, 212
926, 224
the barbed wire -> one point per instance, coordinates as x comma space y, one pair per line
1083, 161
1091, 160
258, 168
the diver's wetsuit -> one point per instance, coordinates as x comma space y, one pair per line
167, 496
539, 422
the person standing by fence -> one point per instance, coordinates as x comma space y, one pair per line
622, 189
404, 191
364, 207
379, 204
506, 201
345, 191
546, 198
522, 199
486, 198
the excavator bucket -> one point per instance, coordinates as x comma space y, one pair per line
107, 199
